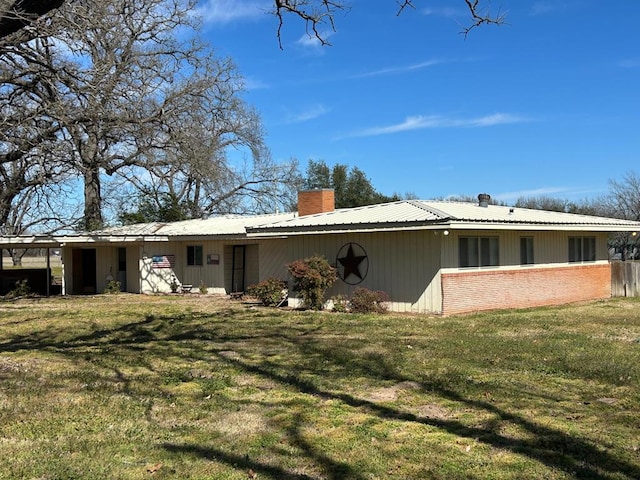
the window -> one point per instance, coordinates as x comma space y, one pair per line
478, 251
194, 255
582, 249
526, 250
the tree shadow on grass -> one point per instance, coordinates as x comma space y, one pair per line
551, 447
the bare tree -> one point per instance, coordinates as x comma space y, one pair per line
129, 78
31, 172
623, 199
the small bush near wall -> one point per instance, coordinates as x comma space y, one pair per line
340, 304
113, 287
312, 277
22, 289
270, 291
364, 300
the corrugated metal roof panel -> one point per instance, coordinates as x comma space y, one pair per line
220, 225
411, 213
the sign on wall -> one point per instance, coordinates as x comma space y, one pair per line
352, 263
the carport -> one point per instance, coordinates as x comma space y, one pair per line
38, 279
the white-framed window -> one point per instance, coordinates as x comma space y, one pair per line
582, 249
526, 251
194, 255
478, 252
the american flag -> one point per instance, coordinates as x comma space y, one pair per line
163, 261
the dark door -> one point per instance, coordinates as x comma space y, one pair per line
237, 272
84, 271
122, 268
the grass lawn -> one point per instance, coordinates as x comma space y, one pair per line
134, 387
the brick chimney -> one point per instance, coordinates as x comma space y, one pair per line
316, 201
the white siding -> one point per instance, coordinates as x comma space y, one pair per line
157, 280
274, 255
106, 264
405, 265
548, 247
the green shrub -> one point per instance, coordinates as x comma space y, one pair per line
203, 288
364, 300
113, 287
340, 303
312, 277
269, 291
21, 290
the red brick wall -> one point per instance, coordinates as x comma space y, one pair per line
316, 201
471, 291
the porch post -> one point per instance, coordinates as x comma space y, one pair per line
48, 272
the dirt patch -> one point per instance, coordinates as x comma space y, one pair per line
432, 411
389, 394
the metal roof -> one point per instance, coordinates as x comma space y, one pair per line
224, 225
401, 215
420, 214
229, 226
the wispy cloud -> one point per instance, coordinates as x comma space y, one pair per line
449, 12
400, 69
312, 44
546, 7
226, 11
421, 122
311, 113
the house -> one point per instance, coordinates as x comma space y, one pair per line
428, 256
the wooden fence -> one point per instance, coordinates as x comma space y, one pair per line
625, 279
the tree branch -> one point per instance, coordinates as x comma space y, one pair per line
481, 18
314, 16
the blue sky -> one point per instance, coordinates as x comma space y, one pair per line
545, 105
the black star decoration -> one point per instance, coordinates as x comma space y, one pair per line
351, 264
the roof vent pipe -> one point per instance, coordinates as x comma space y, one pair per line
483, 199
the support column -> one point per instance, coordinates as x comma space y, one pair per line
48, 272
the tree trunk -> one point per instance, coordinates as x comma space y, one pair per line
16, 258
92, 199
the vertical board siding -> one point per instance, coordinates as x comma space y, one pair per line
405, 265
210, 276
106, 264
274, 256
252, 265
134, 255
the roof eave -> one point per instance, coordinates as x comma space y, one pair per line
450, 224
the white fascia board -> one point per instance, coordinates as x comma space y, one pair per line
206, 237
545, 227
319, 230
32, 241
87, 239
363, 229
